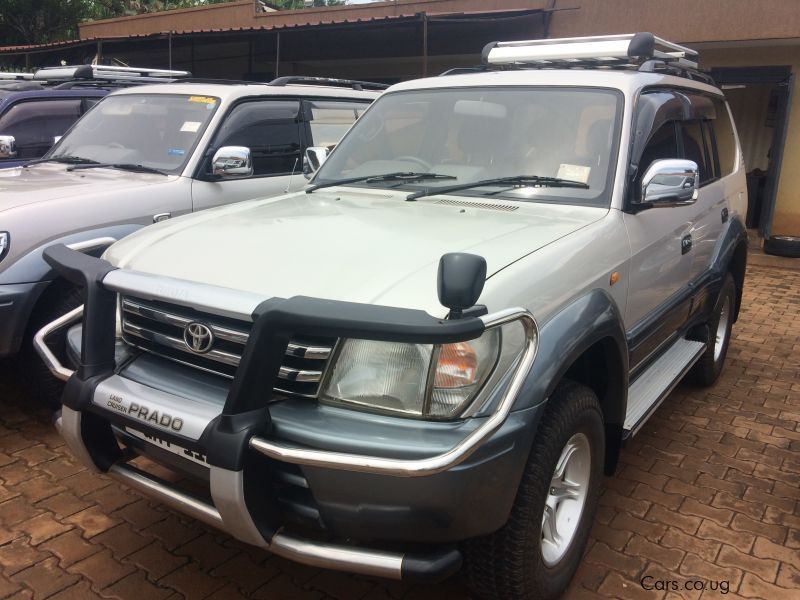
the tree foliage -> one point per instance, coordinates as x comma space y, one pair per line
39, 21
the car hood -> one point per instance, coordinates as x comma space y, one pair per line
20, 186
353, 245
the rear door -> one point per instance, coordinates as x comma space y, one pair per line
698, 144
272, 129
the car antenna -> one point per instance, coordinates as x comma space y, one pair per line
289, 183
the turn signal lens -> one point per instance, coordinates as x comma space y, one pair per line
461, 370
457, 367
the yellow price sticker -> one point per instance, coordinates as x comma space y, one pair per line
203, 99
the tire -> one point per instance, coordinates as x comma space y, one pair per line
783, 245
706, 370
37, 381
515, 563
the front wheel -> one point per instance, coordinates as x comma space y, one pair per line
538, 551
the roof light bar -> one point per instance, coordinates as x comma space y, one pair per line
103, 72
626, 48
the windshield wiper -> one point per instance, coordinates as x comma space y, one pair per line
122, 166
516, 181
396, 176
70, 160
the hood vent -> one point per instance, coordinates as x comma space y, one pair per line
484, 205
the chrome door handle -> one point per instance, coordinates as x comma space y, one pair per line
161, 217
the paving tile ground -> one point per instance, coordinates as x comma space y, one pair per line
706, 495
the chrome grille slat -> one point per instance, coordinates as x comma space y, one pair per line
157, 327
177, 344
224, 333
304, 351
299, 375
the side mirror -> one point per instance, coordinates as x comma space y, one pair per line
460, 281
670, 182
8, 146
232, 162
315, 157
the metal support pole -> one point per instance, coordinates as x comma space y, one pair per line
169, 37
277, 53
424, 44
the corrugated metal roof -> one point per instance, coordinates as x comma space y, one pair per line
436, 17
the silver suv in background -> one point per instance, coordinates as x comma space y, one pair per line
429, 356
144, 155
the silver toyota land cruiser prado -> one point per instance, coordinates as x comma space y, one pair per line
429, 357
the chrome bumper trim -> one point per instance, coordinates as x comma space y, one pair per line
50, 360
363, 561
101, 242
434, 464
173, 498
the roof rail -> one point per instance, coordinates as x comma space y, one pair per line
349, 83
105, 73
605, 50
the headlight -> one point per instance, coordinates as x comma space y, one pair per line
423, 381
5, 242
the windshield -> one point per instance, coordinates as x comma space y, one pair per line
473, 135
157, 131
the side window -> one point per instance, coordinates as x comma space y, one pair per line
694, 148
329, 121
270, 129
724, 138
662, 144
35, 123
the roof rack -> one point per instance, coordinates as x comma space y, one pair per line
15, 76
348, 83
105, 73
630, 50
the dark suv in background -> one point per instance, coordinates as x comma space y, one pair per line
37, 109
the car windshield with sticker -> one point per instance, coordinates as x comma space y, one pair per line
158, 131
543, 136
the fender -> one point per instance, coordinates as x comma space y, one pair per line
731, 255
587, 321
31, 269
31, 266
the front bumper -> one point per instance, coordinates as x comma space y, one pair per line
442, 483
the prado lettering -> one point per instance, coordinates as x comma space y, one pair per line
163, 419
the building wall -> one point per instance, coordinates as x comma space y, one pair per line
680, 20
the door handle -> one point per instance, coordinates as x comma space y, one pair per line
686, 243
161, 217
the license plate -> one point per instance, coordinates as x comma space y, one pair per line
191, 455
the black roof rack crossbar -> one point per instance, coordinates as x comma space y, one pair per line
349, 83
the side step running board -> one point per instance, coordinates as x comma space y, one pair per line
650, 389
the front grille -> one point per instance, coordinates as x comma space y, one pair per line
159, 327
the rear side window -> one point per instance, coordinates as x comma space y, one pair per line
270, 129
329, 121
724, 137
35, 123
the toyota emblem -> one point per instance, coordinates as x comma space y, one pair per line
198, 337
